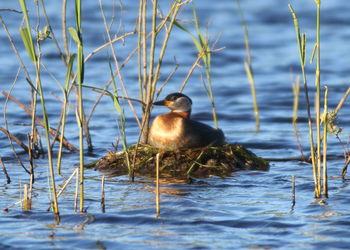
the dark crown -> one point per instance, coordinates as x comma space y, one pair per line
174, 96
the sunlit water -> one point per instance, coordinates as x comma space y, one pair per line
250, 209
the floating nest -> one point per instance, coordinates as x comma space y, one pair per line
182, 163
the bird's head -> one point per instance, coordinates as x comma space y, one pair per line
176, 102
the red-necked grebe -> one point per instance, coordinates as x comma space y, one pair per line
176, 130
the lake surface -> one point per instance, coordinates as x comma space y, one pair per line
250, 209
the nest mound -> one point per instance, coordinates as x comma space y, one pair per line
182, 163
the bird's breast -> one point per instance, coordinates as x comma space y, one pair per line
166, 131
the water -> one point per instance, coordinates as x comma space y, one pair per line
250, 209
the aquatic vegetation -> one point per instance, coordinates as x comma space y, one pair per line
154, 30
77, 37
150, 63
202, 198
36, 58
183, 163
318, 156
248, 65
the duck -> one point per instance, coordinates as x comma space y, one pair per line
176, 130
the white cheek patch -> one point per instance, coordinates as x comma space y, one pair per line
182, 104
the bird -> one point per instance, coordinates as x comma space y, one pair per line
175, 130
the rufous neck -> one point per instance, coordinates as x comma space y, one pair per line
184, 114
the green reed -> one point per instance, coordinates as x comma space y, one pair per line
316, 157
77, 37
148, 58
142, 48
152, 32
115, 95
65, 91
325, 130
301, 40
293, 191
203, 48
157, 187
296, 91
103, 205
248, 65
121, 113
8, 179
27, 202
204, 54
318, 95
33, 49
36, 58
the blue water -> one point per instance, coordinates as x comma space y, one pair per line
250, 209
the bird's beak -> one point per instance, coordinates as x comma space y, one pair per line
163, 103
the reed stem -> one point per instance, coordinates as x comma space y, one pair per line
148, 99
342, 101
296, 91
75, 173
64, 29
345, 168
26, 201
248, 66
117, 63
49, 150
36, 58
115, 95
77, 37
325, 129
31, 162
293, 191
140, 34
249, 72
76, 191
64, 111
153, 73
318, 97
8, 179
174, 11
301, 41
11, 136
202, 45
144, 49
52, 34
103, 206
157, 187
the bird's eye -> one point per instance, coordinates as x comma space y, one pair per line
173, 98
